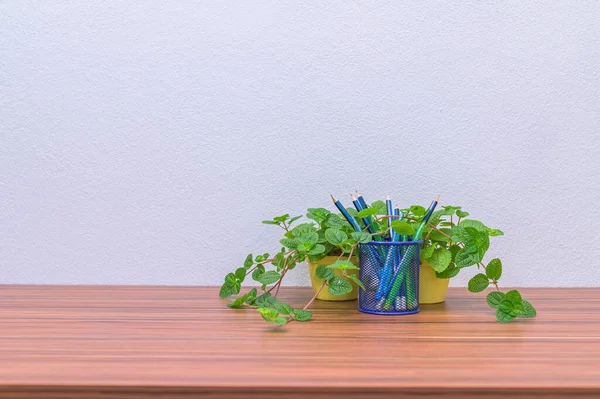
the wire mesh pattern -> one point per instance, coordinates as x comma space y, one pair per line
390, 274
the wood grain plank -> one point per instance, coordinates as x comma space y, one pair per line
182, 342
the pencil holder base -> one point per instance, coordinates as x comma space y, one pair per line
389, 313
389, 272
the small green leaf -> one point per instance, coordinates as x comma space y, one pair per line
317, 214
292, 220
418, 210
462, 214
528, 311
334, 221
240, 274
427, 251
339, 286
478, 283
302, 315
283, 308
281, 218
265, 300
302, 229
288, 243
324, 273
441, 235
260, 269
269, 314
272, 316
316, 250
335, 236
343, 265
367, 212
514, 296
270, 222
231, 286
355, 278
440, 259
247, 297
361, 237
494, 269
269, 277
495, 232
380, 206
308, 238
248, 262
402, 227
476, 224
494, 299
450, 272
503, 317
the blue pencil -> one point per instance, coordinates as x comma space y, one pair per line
345, 213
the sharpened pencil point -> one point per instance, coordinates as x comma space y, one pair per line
353, 199
358, 194
387, 198
333, 198
437, 198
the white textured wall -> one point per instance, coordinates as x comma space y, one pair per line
141, 142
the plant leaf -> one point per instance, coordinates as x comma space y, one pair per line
355, 278
288, 243
265, 300
239, 301
323, 272
302, 315
478, 283
335, 236
260, 269
418, 210
367, 212
361, 237
427, 251
494, 269
462, 214
528, 311
514, 296
450, 272
269, 277
494, 299
316, 250
343, 265
283, 308
440, 260
339, 286
248, 262
380, 206
402, 227
476, 224
503, 317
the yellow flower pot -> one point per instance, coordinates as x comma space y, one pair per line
316, 282
431, 289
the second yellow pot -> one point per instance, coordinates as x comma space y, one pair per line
316, 282
431, 289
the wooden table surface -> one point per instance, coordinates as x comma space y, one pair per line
182, 342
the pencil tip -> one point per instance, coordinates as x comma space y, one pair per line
353, 198
358, 194
333, 198
437, 198
387, 198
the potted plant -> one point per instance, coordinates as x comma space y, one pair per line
329, 244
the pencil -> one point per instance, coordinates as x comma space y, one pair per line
402, 272
346, 215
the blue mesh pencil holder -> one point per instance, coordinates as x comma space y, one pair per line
390, 274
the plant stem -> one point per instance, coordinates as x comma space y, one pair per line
315, 296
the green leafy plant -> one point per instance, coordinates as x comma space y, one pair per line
451, 243
325, 233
